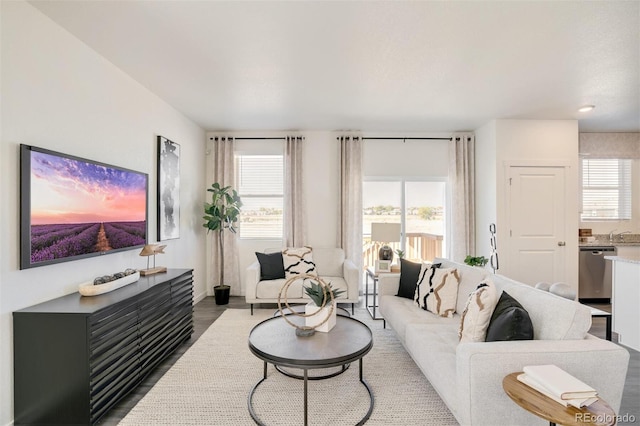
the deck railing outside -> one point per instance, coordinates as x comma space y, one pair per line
418, 246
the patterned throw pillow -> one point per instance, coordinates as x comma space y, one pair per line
422, 287
298, 261
437, 290
477, 312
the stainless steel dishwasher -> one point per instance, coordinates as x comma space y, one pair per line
595, 274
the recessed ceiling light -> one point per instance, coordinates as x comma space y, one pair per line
586, 108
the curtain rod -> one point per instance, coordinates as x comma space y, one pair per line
246, 139
406, 139
400, 138
363, 138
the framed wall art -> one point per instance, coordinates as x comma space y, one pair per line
168, 189
383, 266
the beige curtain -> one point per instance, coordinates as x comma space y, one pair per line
293, 215
350, 225
224, 173
461, 177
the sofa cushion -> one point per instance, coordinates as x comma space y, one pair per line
470, 276
270, 289
298, 261
433, 348
409, 273
399, 312
271, 265
553, 317
329, 261
509, 321
477, 313
439, 293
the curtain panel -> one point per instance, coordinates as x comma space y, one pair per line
224, 173
350, 225
461, 177
293, 215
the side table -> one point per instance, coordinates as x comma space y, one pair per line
371, 308
599, 313
597, 414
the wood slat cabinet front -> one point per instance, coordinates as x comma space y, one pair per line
75, 357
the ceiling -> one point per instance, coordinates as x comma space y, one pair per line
372, 66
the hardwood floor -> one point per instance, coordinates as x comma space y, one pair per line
206, 312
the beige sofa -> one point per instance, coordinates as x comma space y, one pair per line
331, 266
468, 376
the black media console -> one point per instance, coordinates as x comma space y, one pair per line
75, 357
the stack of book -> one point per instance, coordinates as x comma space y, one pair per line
557, 384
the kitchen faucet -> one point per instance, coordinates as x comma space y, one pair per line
621, 235
611, 235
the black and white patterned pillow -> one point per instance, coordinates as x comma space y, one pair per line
298, 261
437, 290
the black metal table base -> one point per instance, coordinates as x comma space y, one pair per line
341, 370
305, 377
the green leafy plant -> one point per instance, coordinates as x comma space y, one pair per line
221, 214
317, 295
476, 261
400, 253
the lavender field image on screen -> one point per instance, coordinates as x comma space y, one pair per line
79, 207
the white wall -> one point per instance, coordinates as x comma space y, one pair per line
486, 186
536, 142
59, 94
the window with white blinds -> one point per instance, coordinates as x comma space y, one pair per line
260, 182
606, 189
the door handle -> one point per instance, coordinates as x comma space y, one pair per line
562, 243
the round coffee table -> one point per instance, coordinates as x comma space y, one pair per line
275, 342
331, 372
597, 414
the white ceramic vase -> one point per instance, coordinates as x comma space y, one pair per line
318, 317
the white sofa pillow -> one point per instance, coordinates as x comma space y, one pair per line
298, 261
438, 291
477, 312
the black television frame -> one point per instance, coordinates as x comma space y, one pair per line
25, 207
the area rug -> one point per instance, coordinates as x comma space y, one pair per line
210, 383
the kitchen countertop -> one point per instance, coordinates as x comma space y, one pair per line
624, 240
608, 244
623, 259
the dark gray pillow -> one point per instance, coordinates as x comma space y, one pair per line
271, 265
409, 272
509, 321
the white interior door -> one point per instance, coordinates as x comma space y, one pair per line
536, 218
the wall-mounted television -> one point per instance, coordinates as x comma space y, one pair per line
73, 208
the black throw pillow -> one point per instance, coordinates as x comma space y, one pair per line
271, 265
510, 321
409, 273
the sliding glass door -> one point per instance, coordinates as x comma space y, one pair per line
420, 208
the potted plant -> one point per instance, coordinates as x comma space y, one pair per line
321, 301
476, 261
221, 214
400, 253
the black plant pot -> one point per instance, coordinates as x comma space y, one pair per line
221, 293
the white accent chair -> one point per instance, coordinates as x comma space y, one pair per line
331, 266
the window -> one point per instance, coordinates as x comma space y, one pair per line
418, 205
606, 189
260, 182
